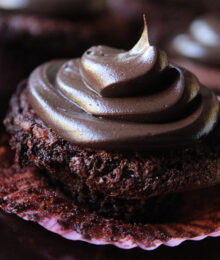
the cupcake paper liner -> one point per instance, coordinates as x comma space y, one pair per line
28, 193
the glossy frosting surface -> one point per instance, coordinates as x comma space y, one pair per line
123, 100
201, 42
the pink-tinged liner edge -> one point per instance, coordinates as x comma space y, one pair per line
52, 225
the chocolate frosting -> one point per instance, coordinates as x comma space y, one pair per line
123, 100
201, 42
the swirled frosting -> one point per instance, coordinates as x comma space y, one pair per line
123, 100
201, 42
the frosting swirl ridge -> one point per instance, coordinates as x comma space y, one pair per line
113, 99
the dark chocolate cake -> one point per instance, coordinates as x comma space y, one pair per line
116, 147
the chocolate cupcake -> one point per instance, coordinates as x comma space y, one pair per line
120, 140
199, 50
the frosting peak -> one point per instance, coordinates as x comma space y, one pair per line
118, 100
113, 73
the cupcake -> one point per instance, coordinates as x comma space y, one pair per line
199, 50
115, 147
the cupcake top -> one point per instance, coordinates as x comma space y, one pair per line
201, 42
51, 6
123, 100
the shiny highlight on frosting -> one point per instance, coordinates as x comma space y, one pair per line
123, 100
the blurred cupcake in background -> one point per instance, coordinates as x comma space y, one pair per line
198, 49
